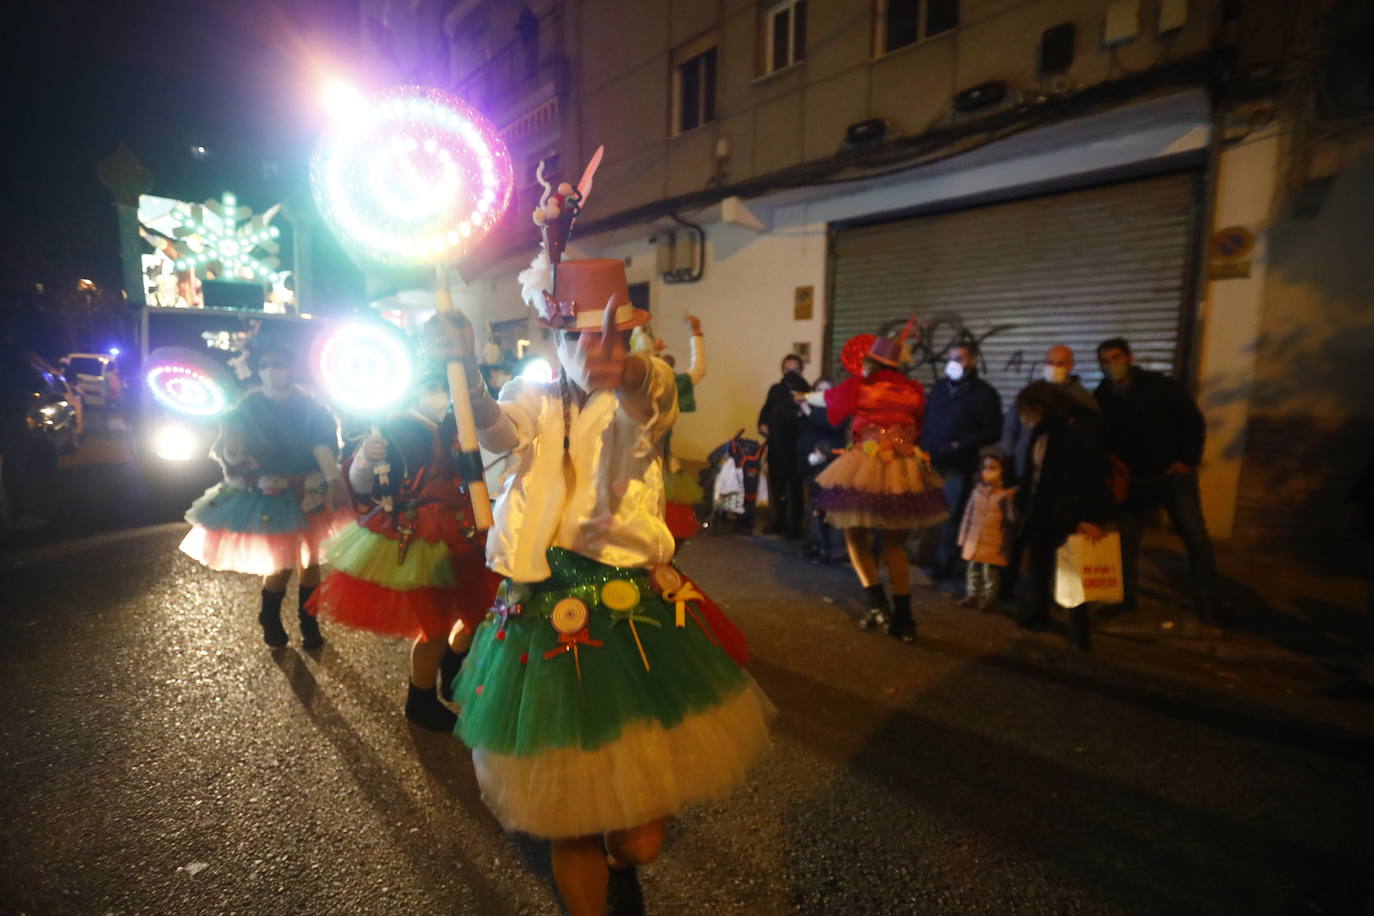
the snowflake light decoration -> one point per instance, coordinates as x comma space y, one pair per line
224, 240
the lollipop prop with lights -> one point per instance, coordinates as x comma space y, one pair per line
411, 176
365, 367
188, 383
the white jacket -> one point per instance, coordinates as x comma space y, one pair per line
608, 504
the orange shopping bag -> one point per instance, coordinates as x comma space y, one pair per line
1089, 571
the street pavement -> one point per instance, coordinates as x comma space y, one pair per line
158, 758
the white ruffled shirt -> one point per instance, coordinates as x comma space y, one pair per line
610, 507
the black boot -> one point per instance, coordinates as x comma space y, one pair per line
311, 638
624, 896
270, 617
875, 614
424, 709
449, 666
902, 625
1080, 626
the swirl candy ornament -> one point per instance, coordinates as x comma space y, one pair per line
414, 175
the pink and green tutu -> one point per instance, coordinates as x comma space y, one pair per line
620, 723
238, 527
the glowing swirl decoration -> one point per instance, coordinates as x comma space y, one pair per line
188, 383
365, 366
412, 175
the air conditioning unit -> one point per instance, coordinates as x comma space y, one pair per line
981, 96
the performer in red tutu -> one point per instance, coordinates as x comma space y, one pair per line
412, 566
883, 480
282, 495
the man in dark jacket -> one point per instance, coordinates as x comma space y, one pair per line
963, 414
1156, 429
780, 423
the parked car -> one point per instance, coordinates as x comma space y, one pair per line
33, 388
70, 392
97, 377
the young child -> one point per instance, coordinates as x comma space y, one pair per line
282, 493
986, 532
412, 565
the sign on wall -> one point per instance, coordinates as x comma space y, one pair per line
803, 303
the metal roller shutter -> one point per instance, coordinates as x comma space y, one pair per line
1070, 268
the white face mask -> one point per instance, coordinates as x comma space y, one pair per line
276, 379
573, 359
1057, 375
434, 404
954, 370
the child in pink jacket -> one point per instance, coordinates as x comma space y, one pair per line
987, 529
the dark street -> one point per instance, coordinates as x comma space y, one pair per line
159, 758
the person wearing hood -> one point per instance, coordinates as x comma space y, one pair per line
780, 423
963, 414
1017, 437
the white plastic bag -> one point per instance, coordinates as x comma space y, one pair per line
761, 497
1089, 570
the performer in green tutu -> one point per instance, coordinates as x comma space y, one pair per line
605, 691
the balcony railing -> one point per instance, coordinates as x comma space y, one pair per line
519, 66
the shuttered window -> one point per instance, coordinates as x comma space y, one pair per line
1070, 268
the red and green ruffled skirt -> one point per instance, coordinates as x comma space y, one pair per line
592, 704
407, 572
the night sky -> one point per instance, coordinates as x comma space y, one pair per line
238, 77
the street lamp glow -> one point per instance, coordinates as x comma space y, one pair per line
114, 351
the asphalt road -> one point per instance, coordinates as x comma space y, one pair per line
157, 758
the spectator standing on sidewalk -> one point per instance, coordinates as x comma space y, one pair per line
963, 414
1064, 492
1016, 441
820, 442
987, 532
780, 423
1155, 428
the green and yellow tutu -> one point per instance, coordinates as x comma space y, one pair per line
591, 704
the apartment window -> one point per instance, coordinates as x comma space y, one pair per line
695, 91
784, 34
903, 22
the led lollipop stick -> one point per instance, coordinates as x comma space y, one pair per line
414, 175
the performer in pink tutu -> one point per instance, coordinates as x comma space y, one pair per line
282, 495
883, 481
412, 566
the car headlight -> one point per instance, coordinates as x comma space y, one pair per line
48, 412
175, 442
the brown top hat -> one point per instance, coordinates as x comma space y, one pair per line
581, 290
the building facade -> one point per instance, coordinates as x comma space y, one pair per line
1022, 172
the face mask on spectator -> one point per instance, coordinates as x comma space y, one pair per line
1057, 375
954, 370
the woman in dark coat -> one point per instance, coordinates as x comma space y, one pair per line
1064, 491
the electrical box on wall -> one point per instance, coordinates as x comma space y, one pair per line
1173, 15
665, 244
1121, 23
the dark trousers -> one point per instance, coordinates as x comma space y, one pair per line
1182, 499
947, 552
785, 488
1040, 549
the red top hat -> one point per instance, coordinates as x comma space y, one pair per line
889, 351
581, 291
